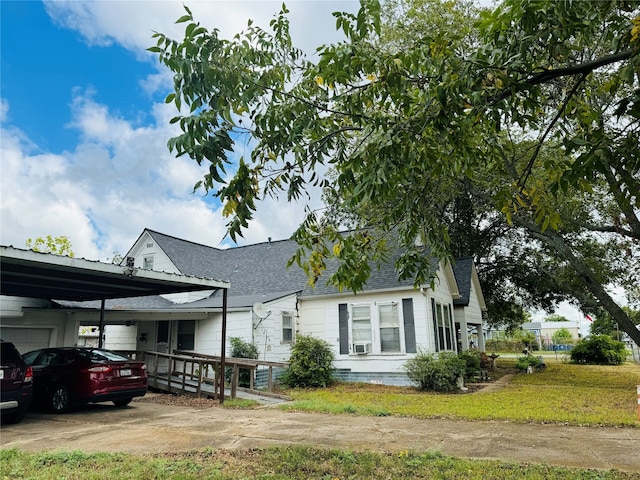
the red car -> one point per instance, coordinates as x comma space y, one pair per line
71, 376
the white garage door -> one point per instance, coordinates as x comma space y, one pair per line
26, 339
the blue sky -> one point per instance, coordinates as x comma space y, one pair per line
43, 62
84, 125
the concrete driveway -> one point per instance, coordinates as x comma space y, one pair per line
148, 428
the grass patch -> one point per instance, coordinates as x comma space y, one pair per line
240, 403
562, 393
294, 462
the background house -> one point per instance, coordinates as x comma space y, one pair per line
544, 331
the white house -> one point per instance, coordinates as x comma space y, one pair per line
372, 333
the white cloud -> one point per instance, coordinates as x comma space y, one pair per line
120, 177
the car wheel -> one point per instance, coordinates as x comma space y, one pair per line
122, 403
60, 399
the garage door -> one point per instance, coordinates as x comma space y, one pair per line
26, 339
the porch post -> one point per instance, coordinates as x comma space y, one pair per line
464, 335
101, 325
223, 343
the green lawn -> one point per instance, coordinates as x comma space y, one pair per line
278, 463
573, 394
562, 393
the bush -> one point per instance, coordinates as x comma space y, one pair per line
241, 349
527, 361
599, 350
310, 364
472, 361
439, 373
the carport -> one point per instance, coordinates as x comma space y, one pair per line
25, 273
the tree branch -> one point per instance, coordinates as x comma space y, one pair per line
580, 69
527, 171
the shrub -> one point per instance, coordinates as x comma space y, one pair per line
310, 364
600, 350
528, 361
241, 349
472, 361
439, 373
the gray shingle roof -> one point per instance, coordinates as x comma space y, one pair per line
462, 269
154, 302
252, 270
259, 273
261, 268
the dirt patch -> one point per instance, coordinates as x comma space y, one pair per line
181, 400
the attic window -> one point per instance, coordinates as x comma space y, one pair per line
150, 245
147, 263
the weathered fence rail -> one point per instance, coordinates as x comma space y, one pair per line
195, 373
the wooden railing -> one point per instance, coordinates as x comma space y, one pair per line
198, 373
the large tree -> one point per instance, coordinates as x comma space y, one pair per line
532, 110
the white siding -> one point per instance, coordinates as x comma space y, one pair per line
34, 315
267, 334
312, 310
120, 337
141, 250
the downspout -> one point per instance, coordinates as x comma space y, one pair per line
223, 345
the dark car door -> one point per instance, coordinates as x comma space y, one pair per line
50, 369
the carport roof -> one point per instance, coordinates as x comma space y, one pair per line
25, 273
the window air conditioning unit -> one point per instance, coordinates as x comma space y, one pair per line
361, 348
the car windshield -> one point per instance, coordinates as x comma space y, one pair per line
30, 357
102, 355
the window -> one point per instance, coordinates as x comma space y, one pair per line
389, 328
287, 327
186, 334
443, 326
147, 263
440, 331
448, 327
376, 328
361, 324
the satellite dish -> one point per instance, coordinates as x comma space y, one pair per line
260, 310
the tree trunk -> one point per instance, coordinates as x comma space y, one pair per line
586, 276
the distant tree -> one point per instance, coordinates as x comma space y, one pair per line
57, 245
117, 258
604, 324
556, 318
525, 336
562, 335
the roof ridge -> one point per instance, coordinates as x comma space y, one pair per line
173, 237
271, 242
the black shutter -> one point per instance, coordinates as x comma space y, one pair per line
409, 325
435, 323
343, 328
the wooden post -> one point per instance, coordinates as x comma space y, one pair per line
184, 374
638, 391
101, 325
234, 380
